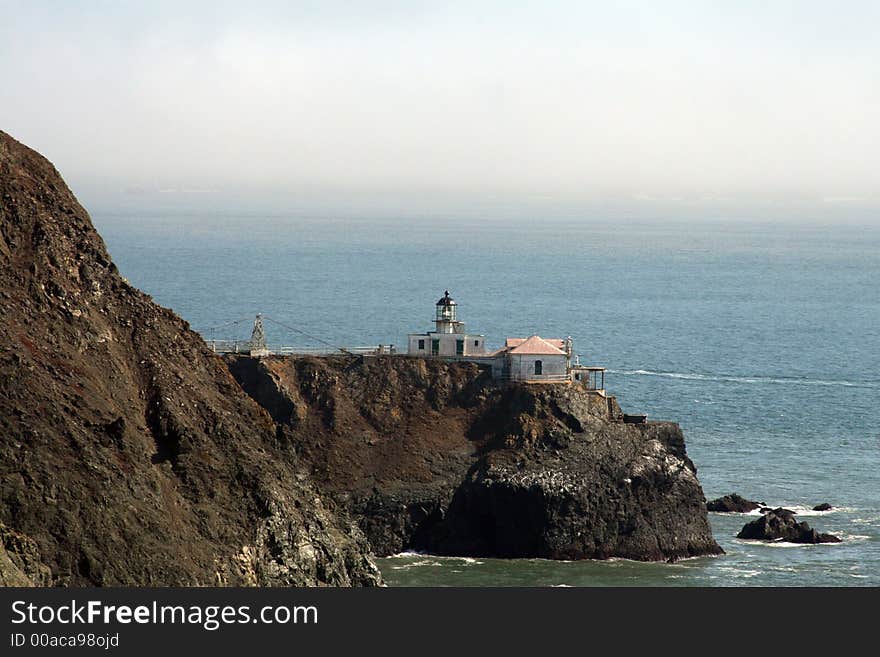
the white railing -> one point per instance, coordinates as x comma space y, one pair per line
379, 350
536, 378
244, 347
229, 346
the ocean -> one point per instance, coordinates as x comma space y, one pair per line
761, 340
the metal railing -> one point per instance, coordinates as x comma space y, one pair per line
536, 378
229, 346
244, 347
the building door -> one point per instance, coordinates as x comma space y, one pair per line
539, 367
435, 347
459, 347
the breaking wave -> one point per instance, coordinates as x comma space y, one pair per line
782, 380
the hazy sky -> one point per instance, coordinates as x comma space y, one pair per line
483, 107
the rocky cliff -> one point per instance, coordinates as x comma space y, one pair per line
434, 456
128, 454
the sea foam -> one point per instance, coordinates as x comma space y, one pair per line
781, 380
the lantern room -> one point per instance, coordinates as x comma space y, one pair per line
445, 318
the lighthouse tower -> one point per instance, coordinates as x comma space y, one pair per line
446, 321
448, 339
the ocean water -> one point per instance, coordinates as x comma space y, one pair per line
763, 341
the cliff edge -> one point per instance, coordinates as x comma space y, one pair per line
128, 454
436, 457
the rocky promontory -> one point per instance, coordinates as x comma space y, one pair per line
128, 454
435, 456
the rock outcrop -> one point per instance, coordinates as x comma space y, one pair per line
733, 503
20, 563
434, 456
780, 525
128, 454
823, 507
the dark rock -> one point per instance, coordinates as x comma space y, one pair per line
435, 457
780, 525
733, 503
823, 507
128, 455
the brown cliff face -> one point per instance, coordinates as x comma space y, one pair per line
433, 456
128, 454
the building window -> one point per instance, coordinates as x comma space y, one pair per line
539, 367
421, 345
476, 343
435, 347
459, 347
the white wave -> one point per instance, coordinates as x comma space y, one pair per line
428, 559
753, 512
691, 376
799, 509
458, 561
417, 564
738, 572
782, 544
785, 544
808, 510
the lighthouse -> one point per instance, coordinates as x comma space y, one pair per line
446, 321
448, 337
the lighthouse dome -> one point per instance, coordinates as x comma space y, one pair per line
446, 300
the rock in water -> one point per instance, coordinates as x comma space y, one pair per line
436, 457
732, 503
129, 454
781, 525
823, 507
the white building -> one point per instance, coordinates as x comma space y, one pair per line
533, 359
448, 337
